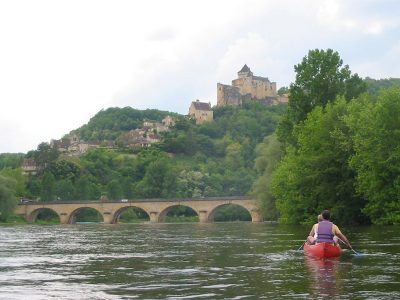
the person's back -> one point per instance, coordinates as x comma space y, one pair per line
326, 231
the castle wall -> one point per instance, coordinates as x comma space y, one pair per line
228, 95
257, 88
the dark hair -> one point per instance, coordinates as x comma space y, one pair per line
326, 214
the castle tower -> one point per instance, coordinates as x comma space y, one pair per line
245, 72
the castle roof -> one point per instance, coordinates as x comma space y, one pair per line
201, 105
245, 69
261, 78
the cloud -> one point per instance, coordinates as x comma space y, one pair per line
356, 16
61, 62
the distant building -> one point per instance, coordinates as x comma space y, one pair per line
61, 145
29, 167
248, 87
201, 111
168, 121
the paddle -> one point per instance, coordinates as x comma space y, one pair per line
302, 245
355, 252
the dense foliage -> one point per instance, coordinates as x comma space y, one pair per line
375, 86
212, 159
320, 78
316, 175
7, 197
108, 124
11, 160
375, 131
340, 149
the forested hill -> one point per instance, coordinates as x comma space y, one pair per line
212, 159
375, 86
108, 124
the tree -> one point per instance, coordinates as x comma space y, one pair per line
191, 183
283, 90
64, 169
20, 180
114, 190
48, 188
159, 180
8, 200
11, 160
320, 77
316, 175
376, 131
65, 190
269, 154
44, 155
85, 189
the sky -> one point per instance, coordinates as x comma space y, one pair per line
61, 62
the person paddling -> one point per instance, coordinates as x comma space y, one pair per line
326, 231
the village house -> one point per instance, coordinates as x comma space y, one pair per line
168, 121
201, 112
29, 167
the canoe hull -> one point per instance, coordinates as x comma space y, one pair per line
322, 250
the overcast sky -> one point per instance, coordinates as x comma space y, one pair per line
63, 61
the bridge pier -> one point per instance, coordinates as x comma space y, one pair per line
256, 217
203, 216
108, 217
154, 216
64, 218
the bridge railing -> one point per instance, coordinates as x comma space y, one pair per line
225, 198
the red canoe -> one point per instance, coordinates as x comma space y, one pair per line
322, 250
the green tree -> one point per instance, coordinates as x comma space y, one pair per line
269, 154
159, 180
191, 184
65, 190
11, 160
8, 200
64, 169
20, 180
283, 90
43, 155
85, 189
48, 187
316, 175
114, 190
320, 77
376, 130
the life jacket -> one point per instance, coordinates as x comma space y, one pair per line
324, 233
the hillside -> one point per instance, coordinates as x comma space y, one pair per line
213, 159
375, 86
110, 123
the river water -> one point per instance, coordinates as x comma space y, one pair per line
192, 261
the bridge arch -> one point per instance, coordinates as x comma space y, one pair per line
32, 217
119, 212
163, 214
214, 211
74, 213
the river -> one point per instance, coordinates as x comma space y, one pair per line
192, 261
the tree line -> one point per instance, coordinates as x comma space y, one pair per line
337, 147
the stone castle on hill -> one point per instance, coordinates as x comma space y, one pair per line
249, 87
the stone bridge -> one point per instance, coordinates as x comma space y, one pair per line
156, 209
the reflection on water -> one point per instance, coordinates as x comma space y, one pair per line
190, 261
326, 276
